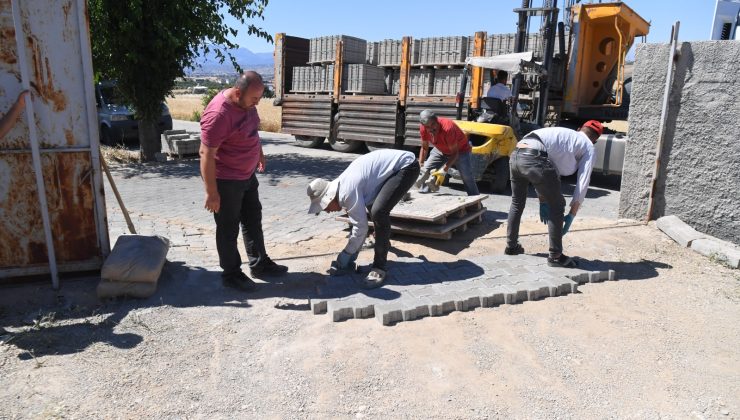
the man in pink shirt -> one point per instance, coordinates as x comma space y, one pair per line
230, 154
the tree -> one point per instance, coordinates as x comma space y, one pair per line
146, 44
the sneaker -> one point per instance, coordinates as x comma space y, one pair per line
516, 250
562, 261
240, 281
374, 279
268, 268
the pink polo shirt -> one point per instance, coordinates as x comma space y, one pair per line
234, 131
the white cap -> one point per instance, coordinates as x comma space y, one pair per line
321, 192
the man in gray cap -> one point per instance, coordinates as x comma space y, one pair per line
376, 182
451, 148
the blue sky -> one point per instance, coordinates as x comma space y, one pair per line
376, 20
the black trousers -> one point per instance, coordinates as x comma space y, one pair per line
540, 172
390, 194
240, 205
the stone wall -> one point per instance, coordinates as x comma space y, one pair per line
699, 180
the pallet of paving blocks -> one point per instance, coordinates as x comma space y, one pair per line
435, 216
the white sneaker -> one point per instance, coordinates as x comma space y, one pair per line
374, 279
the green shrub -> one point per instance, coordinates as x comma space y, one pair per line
195, 117
208, 96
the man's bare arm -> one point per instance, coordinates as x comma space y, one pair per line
208, 173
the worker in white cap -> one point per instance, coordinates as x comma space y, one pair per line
374, 182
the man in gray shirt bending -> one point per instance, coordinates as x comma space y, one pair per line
376, 182
540, 158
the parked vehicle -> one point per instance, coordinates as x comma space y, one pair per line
116, 120
577, 74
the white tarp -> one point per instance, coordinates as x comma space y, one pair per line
509, 62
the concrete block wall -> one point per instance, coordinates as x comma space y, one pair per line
700, 177
421, 82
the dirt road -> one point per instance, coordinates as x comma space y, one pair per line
662, 342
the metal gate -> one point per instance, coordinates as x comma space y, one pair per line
52, 208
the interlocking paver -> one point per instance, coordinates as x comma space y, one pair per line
530, 279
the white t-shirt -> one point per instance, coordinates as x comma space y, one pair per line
499, 91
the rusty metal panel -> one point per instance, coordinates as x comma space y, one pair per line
54, 61
307, 115
371, 119
443, 107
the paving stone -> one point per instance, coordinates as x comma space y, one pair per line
721, 250
679, 231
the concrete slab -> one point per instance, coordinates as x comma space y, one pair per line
720, 250
679, 231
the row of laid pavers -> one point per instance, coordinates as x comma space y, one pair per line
417, 288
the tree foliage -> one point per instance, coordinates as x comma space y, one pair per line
146, 44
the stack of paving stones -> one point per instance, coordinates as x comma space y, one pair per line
440, 51
365, 78
417, 288
373, 49
324, 49
180, 143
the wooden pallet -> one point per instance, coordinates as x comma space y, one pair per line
435, 216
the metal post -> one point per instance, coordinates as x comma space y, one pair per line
33, 138
519, 45
663, 118
548, 52
92, 126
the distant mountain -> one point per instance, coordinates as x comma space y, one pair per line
208, 64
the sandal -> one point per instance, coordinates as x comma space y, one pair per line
374, 279
562, 261
516, 250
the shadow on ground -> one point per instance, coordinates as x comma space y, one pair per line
639, 270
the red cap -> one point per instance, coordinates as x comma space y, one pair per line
594, 125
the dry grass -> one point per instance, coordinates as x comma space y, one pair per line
183, 107
119, 154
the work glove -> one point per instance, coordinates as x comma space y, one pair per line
544, 212
422, 178
439, 176
567, 220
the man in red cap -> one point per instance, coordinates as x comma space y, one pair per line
540, 158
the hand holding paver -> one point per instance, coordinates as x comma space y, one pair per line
567, 220
544, 212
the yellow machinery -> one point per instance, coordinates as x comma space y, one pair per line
491, 142
602, 33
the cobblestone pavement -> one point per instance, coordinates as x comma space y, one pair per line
415, 288
167, 199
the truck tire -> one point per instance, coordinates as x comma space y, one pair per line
105, 136
310, 142
496, 177
345, 146
373, 146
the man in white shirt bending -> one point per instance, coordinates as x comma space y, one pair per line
376, 182
540, 158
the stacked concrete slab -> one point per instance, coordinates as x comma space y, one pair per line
389, 52
180, 143
447, 50
373, 49
699, 178
365, 78
421, 82
447, 82
324, 49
